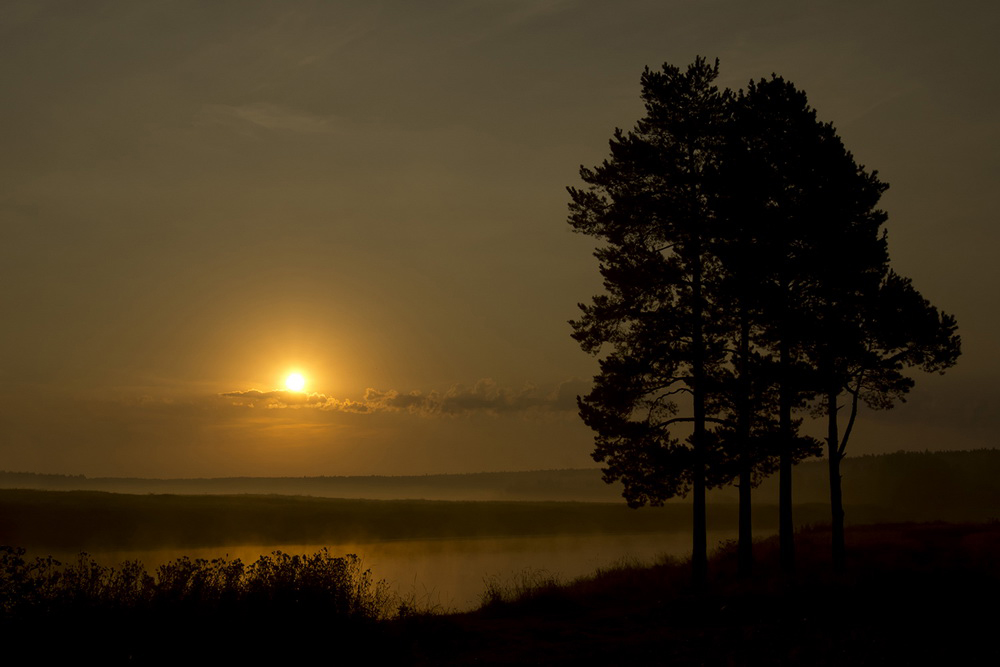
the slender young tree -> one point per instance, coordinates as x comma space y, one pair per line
649, 205
840, 321
847, 275
895, 330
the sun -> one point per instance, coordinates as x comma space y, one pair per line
295, 382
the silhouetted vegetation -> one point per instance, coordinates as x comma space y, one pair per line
746, 276
338, 585
913, 596
185, 608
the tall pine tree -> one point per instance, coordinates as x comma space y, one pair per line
649, 205
769, 176
767, 244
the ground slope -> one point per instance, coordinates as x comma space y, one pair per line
914, 593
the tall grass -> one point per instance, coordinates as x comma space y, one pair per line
526, 584
336, 587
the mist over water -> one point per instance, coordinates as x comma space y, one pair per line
450, 574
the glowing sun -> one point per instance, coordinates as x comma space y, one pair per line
295, 382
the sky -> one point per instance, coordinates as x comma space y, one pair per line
199, 198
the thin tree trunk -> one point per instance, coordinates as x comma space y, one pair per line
786, 529
746, 527
699, 547
839, 551
746, 460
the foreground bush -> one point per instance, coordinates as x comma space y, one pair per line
193, 611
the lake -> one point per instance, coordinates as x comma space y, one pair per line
450, 574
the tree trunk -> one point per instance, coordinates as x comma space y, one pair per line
839, 551
746, 459
746, 528
699, 547
786, 529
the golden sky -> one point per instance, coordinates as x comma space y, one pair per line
199, 198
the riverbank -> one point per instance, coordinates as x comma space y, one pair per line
913, 593
920, 593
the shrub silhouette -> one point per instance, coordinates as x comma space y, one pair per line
318, 583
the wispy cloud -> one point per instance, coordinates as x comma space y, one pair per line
271, 117
254, 398
485, 396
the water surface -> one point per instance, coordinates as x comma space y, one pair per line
450, 574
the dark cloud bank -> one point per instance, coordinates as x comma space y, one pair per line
485, 396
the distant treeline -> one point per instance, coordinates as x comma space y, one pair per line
582, 485
938, 485
904, 486
952, 486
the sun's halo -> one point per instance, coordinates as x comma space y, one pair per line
295, 382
